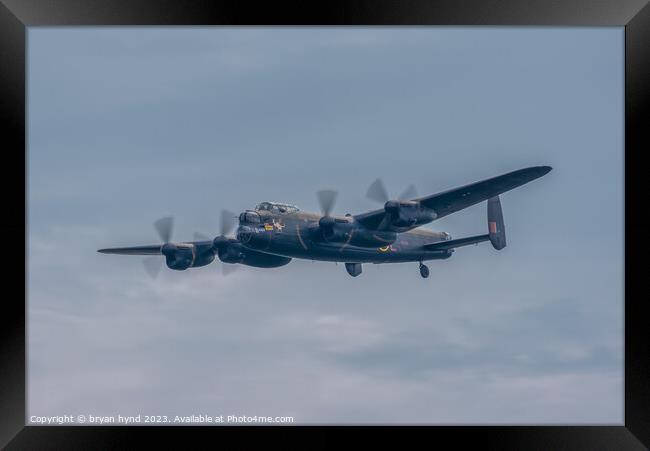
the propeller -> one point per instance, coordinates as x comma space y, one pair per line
228, 268
326, 200
409, 193
153, 265
164, 227
228, 221
378, 193
226, 226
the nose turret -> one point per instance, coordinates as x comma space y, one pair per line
249, 217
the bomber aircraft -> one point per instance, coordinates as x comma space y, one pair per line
273, 233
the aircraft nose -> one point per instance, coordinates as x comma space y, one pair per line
254, 238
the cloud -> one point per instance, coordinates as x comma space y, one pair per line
131, 345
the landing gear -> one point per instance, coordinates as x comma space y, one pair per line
354, 269
424, 270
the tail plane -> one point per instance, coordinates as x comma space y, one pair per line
496, 231
496, 227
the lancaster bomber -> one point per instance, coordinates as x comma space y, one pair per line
273, 233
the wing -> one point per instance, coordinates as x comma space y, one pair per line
457, 199
453, 200
137, 250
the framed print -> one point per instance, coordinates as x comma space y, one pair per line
420, 216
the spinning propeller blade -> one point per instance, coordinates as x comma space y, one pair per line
326, 199
228, 221
164, 227
377, 192
228, 268
153, 265
409, 193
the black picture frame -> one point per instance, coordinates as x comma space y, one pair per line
17, 15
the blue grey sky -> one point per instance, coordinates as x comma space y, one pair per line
130, 124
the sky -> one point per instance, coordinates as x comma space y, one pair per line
126, 125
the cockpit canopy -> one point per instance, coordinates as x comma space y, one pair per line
276, 208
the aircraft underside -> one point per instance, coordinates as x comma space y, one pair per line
391, 253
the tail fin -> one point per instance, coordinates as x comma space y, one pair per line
496, 227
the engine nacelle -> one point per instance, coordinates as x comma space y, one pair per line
182, 256
331, 230
408, 213
235, 252
231, 253
261, 260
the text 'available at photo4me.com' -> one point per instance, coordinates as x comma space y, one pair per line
86, 419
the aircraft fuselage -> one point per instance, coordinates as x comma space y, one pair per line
296, 235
